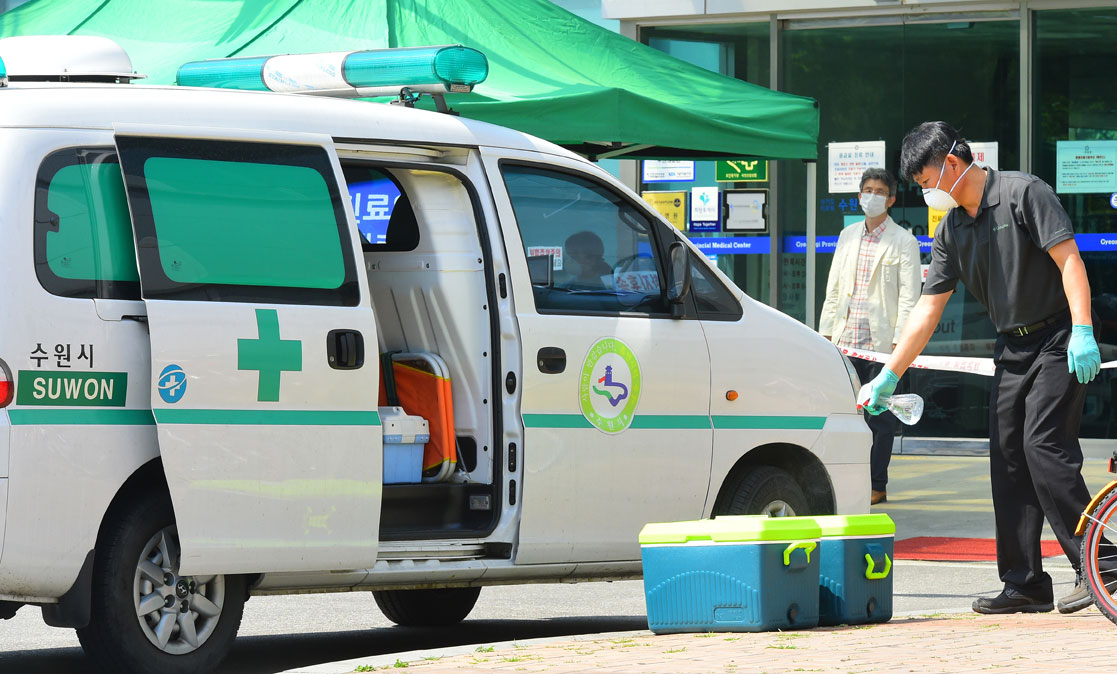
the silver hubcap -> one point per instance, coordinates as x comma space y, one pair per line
778, 508
177, 613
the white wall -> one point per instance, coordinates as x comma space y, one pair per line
589, 10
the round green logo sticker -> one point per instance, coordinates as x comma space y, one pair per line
609, 387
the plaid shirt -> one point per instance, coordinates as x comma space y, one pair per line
856, 334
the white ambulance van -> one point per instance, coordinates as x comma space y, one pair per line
198, 287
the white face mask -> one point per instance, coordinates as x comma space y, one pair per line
937, 198
873, 204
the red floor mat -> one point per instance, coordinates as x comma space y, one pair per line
941, 549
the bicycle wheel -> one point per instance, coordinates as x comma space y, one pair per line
1099, 555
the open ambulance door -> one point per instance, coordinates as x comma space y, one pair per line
263, 348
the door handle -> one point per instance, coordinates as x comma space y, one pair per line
345, 349
551, 360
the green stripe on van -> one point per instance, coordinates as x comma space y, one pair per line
556, 421
675, 421
642, 421
769, 422
269, 417
683, 422
80, 417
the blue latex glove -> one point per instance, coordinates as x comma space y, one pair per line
880, 388
1083, 357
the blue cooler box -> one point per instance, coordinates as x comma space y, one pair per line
855, 576
405, 439
731, 574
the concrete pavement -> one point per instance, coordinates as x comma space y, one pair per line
946, 643
928, 496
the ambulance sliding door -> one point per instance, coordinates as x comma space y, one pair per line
616, 402
263, 349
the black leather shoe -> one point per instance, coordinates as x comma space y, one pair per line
1011, 601
1078, 599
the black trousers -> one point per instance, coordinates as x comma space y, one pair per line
883, 426
1035, 460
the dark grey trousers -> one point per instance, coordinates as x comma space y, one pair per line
1035, 459
883, 426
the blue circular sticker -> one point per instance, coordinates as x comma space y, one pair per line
172, 384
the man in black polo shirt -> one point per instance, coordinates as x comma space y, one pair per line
1009, 240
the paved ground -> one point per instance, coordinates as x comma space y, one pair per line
928, 496
958, 643
950, 495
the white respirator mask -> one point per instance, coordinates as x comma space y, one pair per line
873, 204
941, 200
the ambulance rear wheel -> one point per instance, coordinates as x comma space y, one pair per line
440, 607
144, 615
764, 490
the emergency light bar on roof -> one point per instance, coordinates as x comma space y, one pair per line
404, 72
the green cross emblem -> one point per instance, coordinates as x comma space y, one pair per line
269, 354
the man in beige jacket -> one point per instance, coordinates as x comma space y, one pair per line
873, 285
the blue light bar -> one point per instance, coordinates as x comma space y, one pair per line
378, 72
448, 66
236, 73
3, 74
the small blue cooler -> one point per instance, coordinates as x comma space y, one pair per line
855, 576
405, 438
734, 574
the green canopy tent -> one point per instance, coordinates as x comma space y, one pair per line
552, 74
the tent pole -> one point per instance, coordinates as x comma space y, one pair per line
775, 259
812, 168
610, 154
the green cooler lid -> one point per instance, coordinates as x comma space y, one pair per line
732, 529
856, 525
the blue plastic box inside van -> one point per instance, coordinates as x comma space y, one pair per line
732, 574
405, 439
855, 572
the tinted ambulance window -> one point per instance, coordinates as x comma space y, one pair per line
383, 210
589, 250
83, 236
238, 222
714, 301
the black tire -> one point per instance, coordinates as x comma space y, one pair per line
1100, 576
116, 637
763, 490
441, 607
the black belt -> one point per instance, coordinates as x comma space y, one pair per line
1038, 325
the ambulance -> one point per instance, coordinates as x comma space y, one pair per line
233, 305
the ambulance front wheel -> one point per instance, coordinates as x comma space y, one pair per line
440, 607
144, 615
763, 490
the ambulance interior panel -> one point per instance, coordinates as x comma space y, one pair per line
427, 281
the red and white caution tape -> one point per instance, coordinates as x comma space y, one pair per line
982, 366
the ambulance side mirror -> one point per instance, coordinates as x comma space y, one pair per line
678, 278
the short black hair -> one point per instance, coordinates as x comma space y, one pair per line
928, 144
879, 174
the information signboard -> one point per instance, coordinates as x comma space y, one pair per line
671, 205
741, 170
668, 171
1085, 166
373, 202
705, 209
986, 155
746, 210
847, 161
